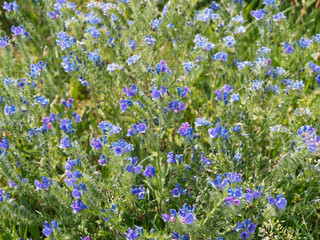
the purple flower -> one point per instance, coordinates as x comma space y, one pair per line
77, 117
186, 131
11, 7
118, 150
40, 185
19, 31
176, 192
102, 160
181, 106
9, 110
247, 225
47, 231
252, 227
244, 235
95, 143
189, 218
66, 125
165, 217
138, 191
220, 56
52, 14
171, 158
109, 128
128, 92
258, 14
65, 142
149, 40
156, 93
249, 197
282, 203
142, 127
77, 206
288, 48
132, 234
150, 171
94, 32
5, 42
13, 184
76, 193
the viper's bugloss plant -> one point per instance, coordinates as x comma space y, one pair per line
158, 119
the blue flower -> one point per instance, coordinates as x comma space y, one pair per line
280, 202
202, 122
149, 40
132, 44
269, 2
95, 143
172, 159
237, 158
107, 127
132, 234
218, 131
102, 160
176, 192
47, 231
156, 23
66, 125
251, 227
94, 32
77, 206
92, 18
94, 57
150, 171
13, 184
309, 137
138, 191
207, 14
203, 43
219, 182
65, 142
137, 169
189, 218
46, 183
258, 14
9, 110
65, 41
4, 143
53, 14
11, 7
244, 235
76, 193
279, 17
186, 131
155, 93
20, 30
133, 59
113, 66
229, 40
188, 66
220, 56
4, 42
206, 161
77, 117
69, 63
304, 43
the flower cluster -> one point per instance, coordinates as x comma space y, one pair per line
114, 114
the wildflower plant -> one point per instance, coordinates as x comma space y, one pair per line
157, 119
